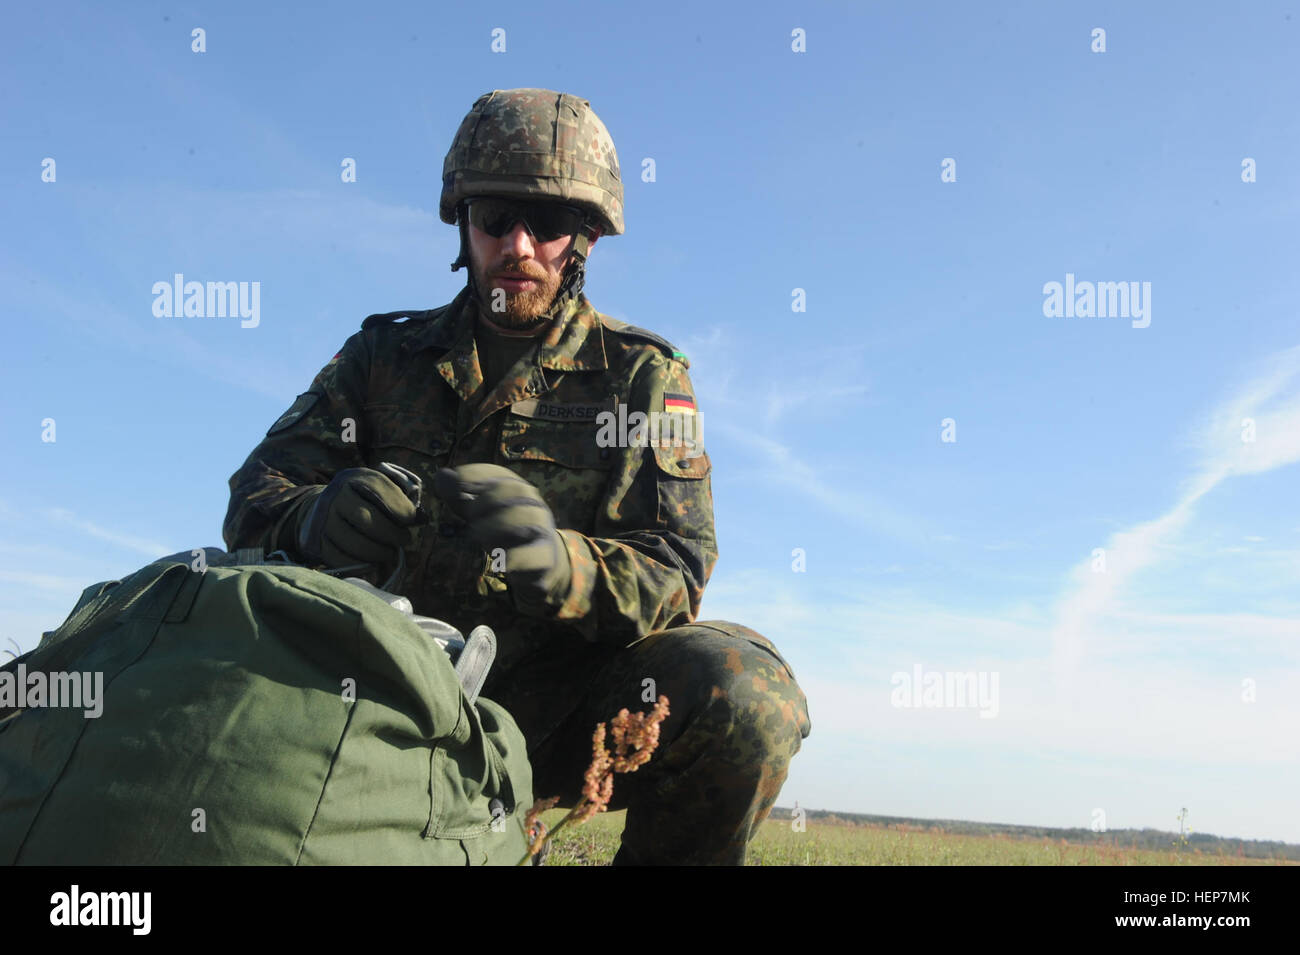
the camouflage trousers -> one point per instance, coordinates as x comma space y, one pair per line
736, 719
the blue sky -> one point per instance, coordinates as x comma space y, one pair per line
1122, 690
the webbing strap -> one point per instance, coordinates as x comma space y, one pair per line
475, 661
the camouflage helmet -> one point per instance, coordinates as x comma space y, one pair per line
534, 144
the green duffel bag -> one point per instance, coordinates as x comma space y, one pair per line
253, 714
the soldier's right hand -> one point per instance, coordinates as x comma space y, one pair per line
360, 517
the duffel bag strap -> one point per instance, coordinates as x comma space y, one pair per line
475, 661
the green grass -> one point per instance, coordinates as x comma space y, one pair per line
595, 843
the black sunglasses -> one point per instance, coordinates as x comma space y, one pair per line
545, 221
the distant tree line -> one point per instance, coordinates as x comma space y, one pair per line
1156, 839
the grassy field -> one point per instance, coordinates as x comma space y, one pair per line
845, 844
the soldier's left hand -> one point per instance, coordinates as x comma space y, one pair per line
503, 510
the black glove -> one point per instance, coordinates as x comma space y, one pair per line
360, 517
503, 510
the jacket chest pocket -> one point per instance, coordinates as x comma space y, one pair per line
399, 435
564, 461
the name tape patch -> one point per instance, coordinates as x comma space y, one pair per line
545, 410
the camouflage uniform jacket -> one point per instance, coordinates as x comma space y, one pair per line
637, 518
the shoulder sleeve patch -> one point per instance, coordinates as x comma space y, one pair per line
386, 318
301, 405
641, 334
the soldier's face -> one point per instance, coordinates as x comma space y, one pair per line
517, 254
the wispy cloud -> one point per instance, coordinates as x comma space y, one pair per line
1005, 545
795, 393
1255, 431
791, 469
808, 377
802, 470
70, 585
299, 220
95, 316
1158, 697
126, 541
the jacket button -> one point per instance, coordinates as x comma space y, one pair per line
519, 448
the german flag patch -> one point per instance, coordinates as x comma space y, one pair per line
679, 404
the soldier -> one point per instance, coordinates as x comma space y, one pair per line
588, 557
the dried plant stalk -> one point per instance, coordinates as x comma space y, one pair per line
636, 736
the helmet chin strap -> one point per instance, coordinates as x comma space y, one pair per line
575, 274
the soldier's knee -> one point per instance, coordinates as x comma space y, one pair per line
737, 671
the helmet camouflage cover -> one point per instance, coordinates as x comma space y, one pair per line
534, 144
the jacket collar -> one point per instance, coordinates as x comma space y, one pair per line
573, 342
